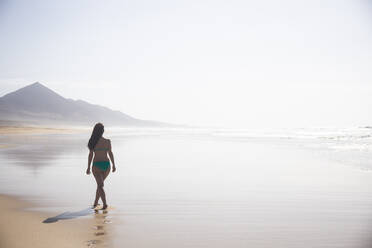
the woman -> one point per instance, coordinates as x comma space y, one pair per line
100, 147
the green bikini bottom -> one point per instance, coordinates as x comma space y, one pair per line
102, 165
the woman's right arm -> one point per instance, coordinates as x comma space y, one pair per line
90, 157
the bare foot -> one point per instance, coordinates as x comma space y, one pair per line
104, 207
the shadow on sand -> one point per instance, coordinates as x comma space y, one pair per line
101, 220
69, 215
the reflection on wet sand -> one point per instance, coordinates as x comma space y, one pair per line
36, 152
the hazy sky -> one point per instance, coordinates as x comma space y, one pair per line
223, 63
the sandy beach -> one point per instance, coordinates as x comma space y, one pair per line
25, 228
20, 130
13, 130
181, 190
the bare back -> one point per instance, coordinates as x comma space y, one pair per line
101, 149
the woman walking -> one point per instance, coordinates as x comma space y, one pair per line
100, 147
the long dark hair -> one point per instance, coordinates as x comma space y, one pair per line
96, 134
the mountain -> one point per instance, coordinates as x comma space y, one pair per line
40, 104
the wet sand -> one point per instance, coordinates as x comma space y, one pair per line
187, 191
11, 130
24, 228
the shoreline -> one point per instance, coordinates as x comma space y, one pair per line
20, 227
14, 130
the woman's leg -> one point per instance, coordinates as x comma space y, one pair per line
100, 193
106, 173
97, 198
97, 177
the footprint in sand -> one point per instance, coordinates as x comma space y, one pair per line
93, 243
98, 227
99, 233
107, 221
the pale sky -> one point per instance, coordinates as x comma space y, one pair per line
220, 63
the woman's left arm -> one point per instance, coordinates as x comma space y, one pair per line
111, 156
